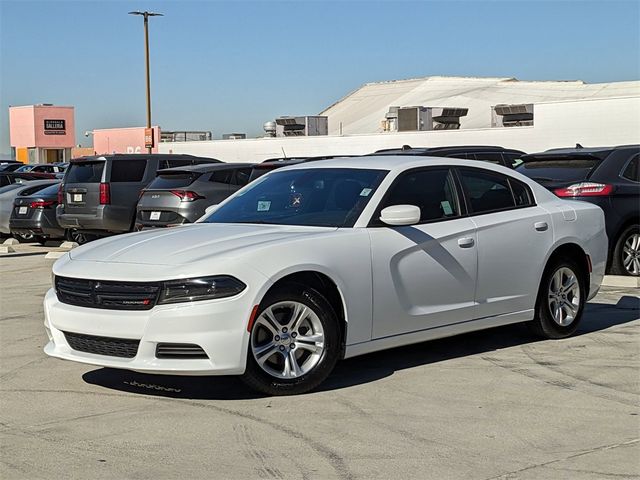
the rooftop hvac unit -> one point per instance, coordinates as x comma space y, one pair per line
234, 136
411, 119
520, 115
301, 126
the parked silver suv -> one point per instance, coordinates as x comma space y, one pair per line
99, 194
181, 195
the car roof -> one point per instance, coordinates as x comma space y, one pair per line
577, 151
206, 167
408, 150
133, 156
396, 162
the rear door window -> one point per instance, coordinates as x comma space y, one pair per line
486, 191
128, 170
242, 176
222, 176
173, 180
85, 172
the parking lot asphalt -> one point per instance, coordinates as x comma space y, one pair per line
497, 404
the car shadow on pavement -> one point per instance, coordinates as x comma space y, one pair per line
365, 368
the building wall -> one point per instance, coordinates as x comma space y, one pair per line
122, 140
22, 129
612, 121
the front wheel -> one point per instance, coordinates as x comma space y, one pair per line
560, 300
626, 254
294, 342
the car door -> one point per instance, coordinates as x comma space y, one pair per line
513, 238
423, 275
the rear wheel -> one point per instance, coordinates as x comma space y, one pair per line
79, 237
626, 254
40, 239
294, 343
560, 301
24, 237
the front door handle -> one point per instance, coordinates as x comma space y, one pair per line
541, 226
466, 242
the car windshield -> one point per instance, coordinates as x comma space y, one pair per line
25, 168
173, 180
320, 197
85, 172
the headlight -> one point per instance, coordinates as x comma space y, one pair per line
203, 288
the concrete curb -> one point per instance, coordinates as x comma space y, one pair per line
7, 249
620, 281
55, 255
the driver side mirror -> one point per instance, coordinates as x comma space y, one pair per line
398, 215
210, 209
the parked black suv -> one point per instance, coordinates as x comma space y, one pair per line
507, 157
606, 176
98, 194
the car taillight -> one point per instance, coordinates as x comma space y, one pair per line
42, 204
105, 194
585, 189
186, 196
60, 194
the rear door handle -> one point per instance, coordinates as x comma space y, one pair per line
466, 242
541, 226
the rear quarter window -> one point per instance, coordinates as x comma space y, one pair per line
632, 171
128, 170
85, 172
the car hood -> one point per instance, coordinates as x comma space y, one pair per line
189, 244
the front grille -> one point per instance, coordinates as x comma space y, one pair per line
179, 350
111, 347
107, 294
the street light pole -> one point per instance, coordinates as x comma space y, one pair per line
146, 16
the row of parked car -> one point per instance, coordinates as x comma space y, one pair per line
105, 195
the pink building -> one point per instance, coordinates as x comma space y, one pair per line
123, 140
42, 133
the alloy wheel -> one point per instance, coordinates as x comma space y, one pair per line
631, 254
564, 296
287, 340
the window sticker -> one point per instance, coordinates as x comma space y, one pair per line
365, 192
264, 205
295, 200
446, 207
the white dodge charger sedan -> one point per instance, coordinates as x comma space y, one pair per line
328, 260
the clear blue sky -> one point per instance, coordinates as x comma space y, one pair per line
229, 66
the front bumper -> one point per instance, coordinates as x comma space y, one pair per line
218, 326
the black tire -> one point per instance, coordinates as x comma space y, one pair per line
258, 379
27, 238
544, 325
79, 237
40, 239
617, 257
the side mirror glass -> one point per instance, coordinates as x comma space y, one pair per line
397, 215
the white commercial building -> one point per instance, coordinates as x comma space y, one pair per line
438, 111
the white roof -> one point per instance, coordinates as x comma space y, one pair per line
363, 110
